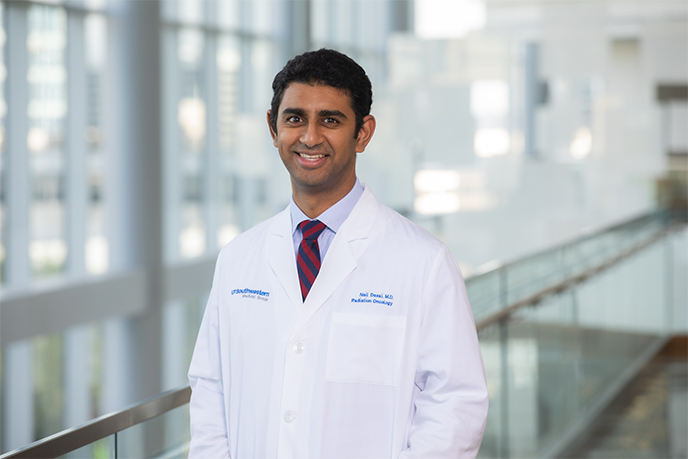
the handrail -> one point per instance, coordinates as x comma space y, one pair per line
495, 265
568, 283
77, 437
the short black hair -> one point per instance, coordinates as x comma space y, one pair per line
330, 68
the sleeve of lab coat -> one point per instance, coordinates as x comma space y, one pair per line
207, 406
451, 407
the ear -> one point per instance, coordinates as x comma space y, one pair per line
365, 133
273, 133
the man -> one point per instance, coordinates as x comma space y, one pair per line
336, 329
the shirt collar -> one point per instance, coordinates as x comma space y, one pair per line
335, 216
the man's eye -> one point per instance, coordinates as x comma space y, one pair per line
331, 120
293, 119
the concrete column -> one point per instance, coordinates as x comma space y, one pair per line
135, 199
18, 401
298, 31
17, 268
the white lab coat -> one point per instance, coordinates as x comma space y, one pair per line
380, 361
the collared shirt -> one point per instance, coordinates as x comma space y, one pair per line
333, 217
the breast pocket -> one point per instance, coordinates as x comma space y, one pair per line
365, 348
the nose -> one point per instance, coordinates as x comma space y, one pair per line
311, 135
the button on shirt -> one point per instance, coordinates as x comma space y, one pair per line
333, 217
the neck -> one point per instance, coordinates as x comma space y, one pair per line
315, 203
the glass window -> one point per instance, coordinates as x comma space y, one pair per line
47, 112
320, 22
262, 14
191, 11
262, 73
229, 14
191, 118
228, 93
96, 251
217, 153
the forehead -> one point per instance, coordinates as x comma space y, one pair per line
315, 97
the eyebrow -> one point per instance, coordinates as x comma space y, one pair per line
293, 111
321, 113
328, 113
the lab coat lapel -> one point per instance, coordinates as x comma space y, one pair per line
340, 260
280, 254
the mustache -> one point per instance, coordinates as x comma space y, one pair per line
320, 149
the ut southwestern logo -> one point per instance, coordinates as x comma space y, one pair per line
251, 293
375, 298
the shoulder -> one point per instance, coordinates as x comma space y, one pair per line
406, 248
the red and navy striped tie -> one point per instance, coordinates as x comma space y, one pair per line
308, 258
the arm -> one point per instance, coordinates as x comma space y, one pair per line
207, 406
451, 407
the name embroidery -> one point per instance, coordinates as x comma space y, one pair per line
374, 298
251, 293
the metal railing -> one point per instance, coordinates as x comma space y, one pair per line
77, 437
573, 279
496, 294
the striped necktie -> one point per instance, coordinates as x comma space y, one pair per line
308, 257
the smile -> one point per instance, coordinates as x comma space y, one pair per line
310, 157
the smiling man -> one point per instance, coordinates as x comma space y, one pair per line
338, 328
316, 132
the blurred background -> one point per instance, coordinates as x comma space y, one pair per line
133, 145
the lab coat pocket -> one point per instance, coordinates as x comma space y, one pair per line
365, 348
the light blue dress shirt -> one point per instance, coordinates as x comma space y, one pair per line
333, 217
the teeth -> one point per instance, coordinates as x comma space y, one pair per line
311, 157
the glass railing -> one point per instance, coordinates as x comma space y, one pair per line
551, 368
521, 281
560, 331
